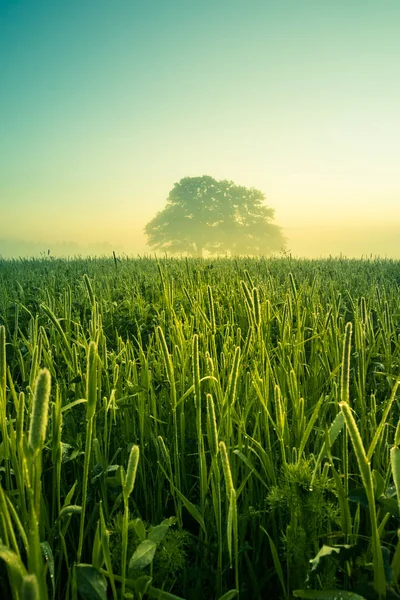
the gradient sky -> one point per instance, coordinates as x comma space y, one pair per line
105, 104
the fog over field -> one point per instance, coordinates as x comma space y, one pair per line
313, 242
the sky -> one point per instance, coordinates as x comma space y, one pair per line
104, 105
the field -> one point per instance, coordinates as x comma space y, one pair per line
199, 429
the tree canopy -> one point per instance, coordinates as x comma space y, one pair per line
203, 214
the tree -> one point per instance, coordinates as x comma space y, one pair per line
217, 216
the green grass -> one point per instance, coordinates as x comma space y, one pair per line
188, 428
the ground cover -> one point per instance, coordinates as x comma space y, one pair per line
188, 428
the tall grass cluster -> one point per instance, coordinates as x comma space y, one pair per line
199, 429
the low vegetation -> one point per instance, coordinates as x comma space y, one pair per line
199, 429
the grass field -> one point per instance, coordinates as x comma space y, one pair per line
199, 429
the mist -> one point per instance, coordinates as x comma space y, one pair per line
314, 242
16, 248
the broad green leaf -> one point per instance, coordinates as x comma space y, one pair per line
92, 585
170, 521
143, 555
338, 553
140, 529
157, 533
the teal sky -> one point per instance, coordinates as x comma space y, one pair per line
104, 105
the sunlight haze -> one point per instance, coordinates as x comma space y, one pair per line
105, 105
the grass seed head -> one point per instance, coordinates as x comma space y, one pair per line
91, 382
227, 469
40, 411
345, 379
212, 424
131, 471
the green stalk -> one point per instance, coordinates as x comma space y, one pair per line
169, 367
232, 520
36, 440
365, 471
37, 433
3, 405
200, 445
91, 397
127, 489
3, 367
